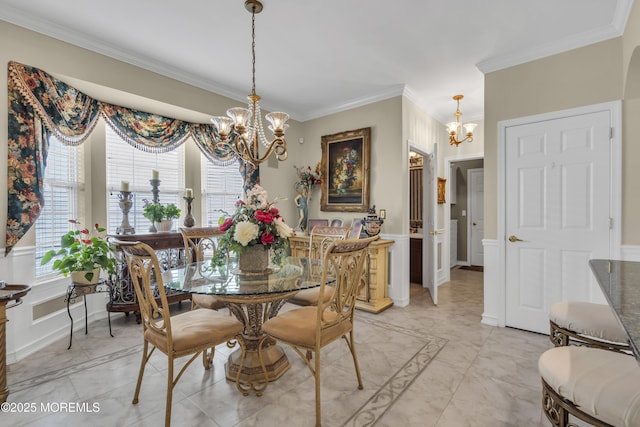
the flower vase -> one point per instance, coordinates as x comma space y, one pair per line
164, 226
78, 277
302, 202
255, 259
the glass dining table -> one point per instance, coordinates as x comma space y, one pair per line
620, 283
252, 298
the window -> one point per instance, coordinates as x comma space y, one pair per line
221, 188
127, 163
62, 178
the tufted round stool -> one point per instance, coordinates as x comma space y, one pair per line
586, 323
597, 386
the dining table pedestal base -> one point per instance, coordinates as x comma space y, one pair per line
251, 374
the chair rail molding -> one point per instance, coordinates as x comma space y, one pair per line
630, 253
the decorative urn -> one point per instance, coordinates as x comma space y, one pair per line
371, 223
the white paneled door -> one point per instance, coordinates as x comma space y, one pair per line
557, 201
430, 221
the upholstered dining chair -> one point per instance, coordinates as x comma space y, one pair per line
320, 238
200, 244
185, 334
309, 329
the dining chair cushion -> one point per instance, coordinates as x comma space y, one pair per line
601, 383
310, 296
299, 326
207, 301
195, 328
586, 318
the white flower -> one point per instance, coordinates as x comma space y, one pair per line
258, 197
282, 228
245, 232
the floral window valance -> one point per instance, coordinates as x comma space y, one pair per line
41, 105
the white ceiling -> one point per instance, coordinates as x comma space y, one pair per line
316, 58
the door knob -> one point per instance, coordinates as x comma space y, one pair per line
474, 223
513, 238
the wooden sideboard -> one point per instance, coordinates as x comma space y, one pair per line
373, 297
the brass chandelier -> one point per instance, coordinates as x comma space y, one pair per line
242, 129
455, 127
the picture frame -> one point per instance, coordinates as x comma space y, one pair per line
356, 229
336, 222
313, 222
441, 190
345, 171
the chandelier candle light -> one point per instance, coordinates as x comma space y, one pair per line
242, 130
453, 127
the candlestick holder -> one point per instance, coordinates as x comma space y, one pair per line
155, 190
125, 205
189, 220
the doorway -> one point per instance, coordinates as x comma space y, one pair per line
459, 210
423, 235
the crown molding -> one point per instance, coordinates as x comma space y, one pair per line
387, 93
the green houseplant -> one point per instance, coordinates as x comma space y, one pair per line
82, 251
161, 216
156, 212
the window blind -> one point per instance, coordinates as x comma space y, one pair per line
62, 179
222, 187
126, 163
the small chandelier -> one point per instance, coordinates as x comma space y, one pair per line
453, 127
242, 130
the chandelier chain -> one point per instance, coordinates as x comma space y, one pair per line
253, 51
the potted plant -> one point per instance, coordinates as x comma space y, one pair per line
82, 254
161, 216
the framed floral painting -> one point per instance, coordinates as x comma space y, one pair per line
345, 168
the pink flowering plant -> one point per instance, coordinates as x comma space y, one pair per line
82, 250
256, 221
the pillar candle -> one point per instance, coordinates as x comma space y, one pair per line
155, 174
188, 192
124, 186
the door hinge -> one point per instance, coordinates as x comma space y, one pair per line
610, 223
611, 133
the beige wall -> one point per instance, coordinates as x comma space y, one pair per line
388, 187
585, 76
631, 129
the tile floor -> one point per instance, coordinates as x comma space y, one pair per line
422, 365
